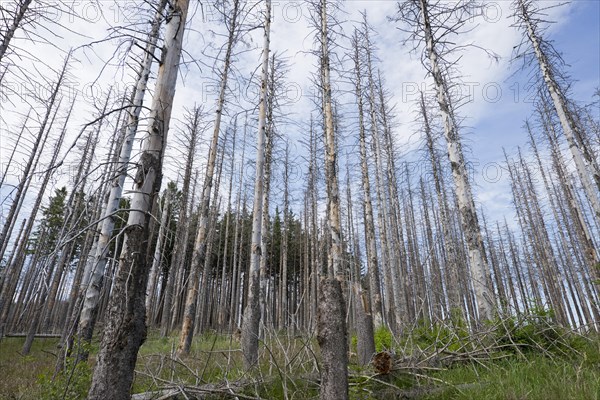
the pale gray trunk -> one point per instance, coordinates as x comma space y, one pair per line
472, 232
36, 150
373, 306
452, 284
125, 329
95, 270
199, 253
584, 170
331, 317
223, 305
251, 320
176, 269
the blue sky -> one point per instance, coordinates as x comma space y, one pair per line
490, 126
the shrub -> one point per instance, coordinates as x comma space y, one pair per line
383, 338
72, 383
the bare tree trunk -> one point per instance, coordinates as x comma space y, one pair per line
449, 245
75, 207
585, 163
284, 305
252, 312
373, 306
468, 213
237, 252
158, 257
365, 343
14, 269
12, 154
223, 305
36, 150
199, 254
19, 14
331, 319
93, 277
180, 240
125, 329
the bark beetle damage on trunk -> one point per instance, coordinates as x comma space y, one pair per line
332, 335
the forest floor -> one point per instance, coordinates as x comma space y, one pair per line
431, 363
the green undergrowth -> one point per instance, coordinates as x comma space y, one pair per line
526, 358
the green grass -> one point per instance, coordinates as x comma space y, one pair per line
19, 374
534, 378
288, 365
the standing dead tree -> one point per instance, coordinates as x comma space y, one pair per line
232, 17
430, 25
530, 20
251, 319
331, 319
125, 329
96, 266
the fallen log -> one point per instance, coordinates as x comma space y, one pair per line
37, 336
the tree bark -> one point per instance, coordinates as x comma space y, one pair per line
96, 268
468, 213
125, 329
251, 320
331, 323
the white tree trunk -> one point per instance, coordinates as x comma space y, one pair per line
331, 318
468, 213
125, 329
92, 278
567, 123
200, 244
251, 319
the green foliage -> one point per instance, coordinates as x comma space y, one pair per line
454, 337
536, 333
48, 231
72, 383
383, 338
353, 343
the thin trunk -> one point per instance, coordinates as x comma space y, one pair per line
19, 15
586, 166
250, 326
468, 213
200, 244
331, 318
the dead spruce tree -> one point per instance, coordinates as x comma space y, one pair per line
331, 315
189, 142
96, 266
233, 19
251, 318
529, 21
125, 329
428, 24
373, 306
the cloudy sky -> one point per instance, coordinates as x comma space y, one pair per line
500, 95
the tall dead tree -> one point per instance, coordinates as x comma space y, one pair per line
200, 244
96, 266
18, 15
452, 285
586, 162
429, 22
14, 269
331, 316
192, 136
373, 306
251, 319
125, 329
